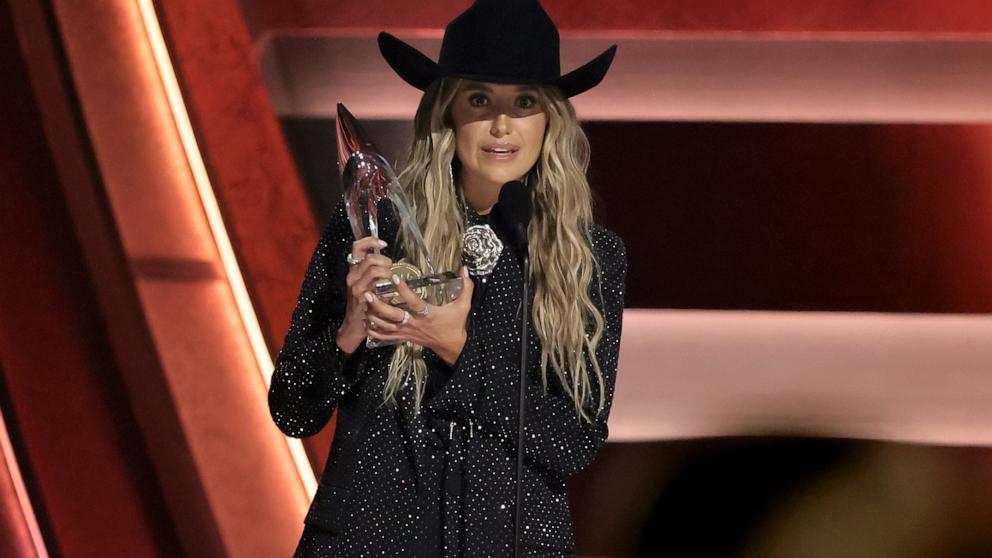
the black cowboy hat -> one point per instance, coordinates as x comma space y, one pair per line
498, 41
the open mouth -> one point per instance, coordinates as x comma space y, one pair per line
501, 149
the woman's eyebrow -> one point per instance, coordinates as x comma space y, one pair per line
475, 86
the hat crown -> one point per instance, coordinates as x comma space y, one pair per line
501, 41
512, 39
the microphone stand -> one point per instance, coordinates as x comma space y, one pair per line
524, 315
513, 213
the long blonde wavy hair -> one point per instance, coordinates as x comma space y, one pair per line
566, 321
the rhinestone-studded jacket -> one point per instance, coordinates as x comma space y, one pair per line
441, 482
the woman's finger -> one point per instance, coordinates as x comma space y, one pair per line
363, 246
383, 326
377, 260
364, 283
378, 308
413, 302
371, 261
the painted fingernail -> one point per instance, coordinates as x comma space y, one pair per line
382, 242
396, 279
368, 297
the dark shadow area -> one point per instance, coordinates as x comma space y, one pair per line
782, 496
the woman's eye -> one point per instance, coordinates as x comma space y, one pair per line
478, 100
526, 102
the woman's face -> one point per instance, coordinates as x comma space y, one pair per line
499, 130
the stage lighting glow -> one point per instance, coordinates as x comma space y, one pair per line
215, 220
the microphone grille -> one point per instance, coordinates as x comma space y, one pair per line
515, 205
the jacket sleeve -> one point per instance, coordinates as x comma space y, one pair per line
556, 437
311, 372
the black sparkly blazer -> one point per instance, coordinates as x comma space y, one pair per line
438, 483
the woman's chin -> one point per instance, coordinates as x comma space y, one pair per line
502, 176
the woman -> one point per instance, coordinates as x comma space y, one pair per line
423, 459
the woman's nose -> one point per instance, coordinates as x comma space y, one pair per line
501, 125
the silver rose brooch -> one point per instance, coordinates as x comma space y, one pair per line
481, 249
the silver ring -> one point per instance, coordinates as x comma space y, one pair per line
425, 312
353, 261
406, 318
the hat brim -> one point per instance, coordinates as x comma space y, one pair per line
412, 65
420, 71
588, 75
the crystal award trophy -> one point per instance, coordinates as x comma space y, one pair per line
367, 180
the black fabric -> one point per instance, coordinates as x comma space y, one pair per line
440, 373
500, 41
512, 214
438, 483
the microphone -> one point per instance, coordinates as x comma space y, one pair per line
512, 214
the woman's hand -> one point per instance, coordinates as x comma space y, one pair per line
372, 269
442, 330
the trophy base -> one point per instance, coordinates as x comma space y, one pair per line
438, 289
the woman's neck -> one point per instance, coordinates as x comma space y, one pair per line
480, 195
